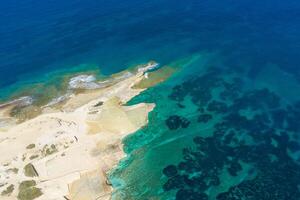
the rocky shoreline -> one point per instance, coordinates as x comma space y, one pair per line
66, 152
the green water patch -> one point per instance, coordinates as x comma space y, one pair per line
213, 135
239, 137
145, 145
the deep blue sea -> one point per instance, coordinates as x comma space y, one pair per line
225, 126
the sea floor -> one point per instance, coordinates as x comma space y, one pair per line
215, 133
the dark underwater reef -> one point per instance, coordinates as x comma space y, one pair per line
266, 139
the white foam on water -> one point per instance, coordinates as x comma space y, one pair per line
149, 67
83, 82
58, 99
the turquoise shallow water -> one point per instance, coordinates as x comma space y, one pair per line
213, 135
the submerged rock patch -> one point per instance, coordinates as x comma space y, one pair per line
261, 138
